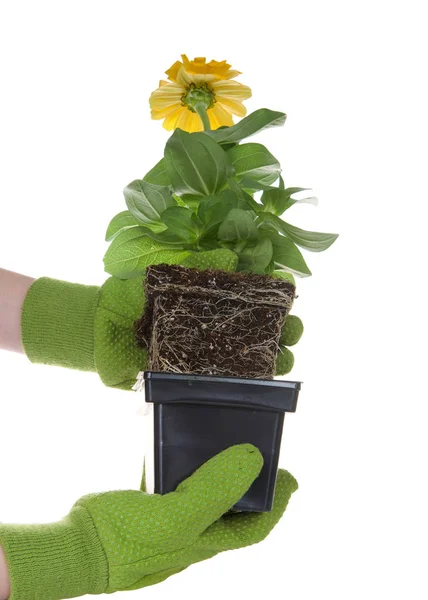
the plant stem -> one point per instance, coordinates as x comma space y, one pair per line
203, 115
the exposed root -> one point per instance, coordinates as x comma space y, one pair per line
213, 322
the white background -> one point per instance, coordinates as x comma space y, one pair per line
75, 128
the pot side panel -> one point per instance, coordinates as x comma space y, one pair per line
187, 435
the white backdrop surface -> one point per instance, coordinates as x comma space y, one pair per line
75, 128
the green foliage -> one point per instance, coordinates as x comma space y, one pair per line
286, 255
309, 240
284, 275
213, 210
254, 161
146, 202
183, 223
132, 251
278, 200
254, 123
158, 175
238, 226
123, 220
201, 197
196, 165
256, 258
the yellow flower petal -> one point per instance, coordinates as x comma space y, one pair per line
232, 74
219, 69
171, 119
214, 122
194, 123
173, 71
165, 96
222, 115
183, 119
231, 89
183, 77
234, 106
189, 121
164, 112
200, 79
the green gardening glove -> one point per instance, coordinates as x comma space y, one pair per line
127, 540
92, 328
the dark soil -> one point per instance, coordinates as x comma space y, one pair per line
213, 322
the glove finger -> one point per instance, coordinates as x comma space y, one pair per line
238, 530
217, 485
222, 259
284, 361
292, 331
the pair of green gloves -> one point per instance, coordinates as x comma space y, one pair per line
125, 540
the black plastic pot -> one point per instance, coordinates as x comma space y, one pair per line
196, 416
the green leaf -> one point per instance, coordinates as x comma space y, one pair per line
191, 201
251, 184
274, 201
213, 210
284, 275
210, 242
253, 123
195, 164
183, 223
305, 200
123, 220
247, 201
256, 258
179, 200
278, 200
313, 241
165, 237
146, 202
255, 186
271, 267
310, 240
254, 161
238, 226
158, 175
132, 251
286, 255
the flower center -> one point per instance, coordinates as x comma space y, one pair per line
198, 95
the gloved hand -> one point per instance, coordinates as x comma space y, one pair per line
126, 540
92, 328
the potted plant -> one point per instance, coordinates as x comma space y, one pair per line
212, 334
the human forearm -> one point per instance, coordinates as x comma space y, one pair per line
4, 577
13, 290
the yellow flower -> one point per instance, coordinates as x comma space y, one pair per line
196, 81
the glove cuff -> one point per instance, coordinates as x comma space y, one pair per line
58, 560
57, 323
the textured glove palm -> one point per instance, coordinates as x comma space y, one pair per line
126, 540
